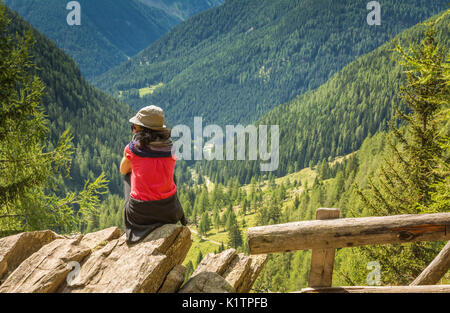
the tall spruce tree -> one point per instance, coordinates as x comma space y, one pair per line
29, 163
205, 224
408, 180
234, 236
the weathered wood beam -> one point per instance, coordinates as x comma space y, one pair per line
381, 289
436, 270
349, 232
322, 260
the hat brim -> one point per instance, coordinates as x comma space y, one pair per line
135, 121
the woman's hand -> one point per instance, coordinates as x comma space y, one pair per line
125, 165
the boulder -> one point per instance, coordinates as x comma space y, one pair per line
207, 282
238, 270
103, 262
15, 249
95, 240
216, 263
119, 267
174, 280
256, 265
47, 269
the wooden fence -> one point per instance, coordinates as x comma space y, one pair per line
329, 232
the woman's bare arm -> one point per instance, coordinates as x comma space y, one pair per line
125, 165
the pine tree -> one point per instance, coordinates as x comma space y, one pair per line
230, 220
408, 178
205, 224
216, 219
31, 166
244, 208
234, 236
189, 271
324, 170
199, 258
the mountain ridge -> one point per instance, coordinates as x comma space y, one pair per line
334, 119
247, 57
110, 32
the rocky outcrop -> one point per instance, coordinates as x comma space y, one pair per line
207, 282
103, 262
15, 249
238, 270
43, 262
46, 269
174, 280
256, 266
122, 268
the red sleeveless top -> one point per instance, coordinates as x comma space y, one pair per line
151, 177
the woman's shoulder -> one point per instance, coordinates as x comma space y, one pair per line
152, 153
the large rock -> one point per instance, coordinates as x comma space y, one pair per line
95, 240
207, 282
174, 280
47, 269
238, 270
120, 267
15, 249
104, 262
256, 265
216, 263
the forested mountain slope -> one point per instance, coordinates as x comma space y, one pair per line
235, 62
110, 31
182, 9
334, 119
97, 121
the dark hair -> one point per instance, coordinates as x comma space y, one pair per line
145, 137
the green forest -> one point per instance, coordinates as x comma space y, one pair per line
234, 63
110, 31
96, 121
181, 8
334, 119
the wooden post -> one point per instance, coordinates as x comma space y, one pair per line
322, 260
436, 270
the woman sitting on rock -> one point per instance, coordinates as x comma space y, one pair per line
150, 185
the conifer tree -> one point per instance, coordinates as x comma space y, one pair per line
30, 165
205, 224
189, 271
216, 219
407, 180
234, 236
199, 258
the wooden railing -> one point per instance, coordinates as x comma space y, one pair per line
329, 232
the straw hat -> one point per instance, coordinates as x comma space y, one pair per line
151, 117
